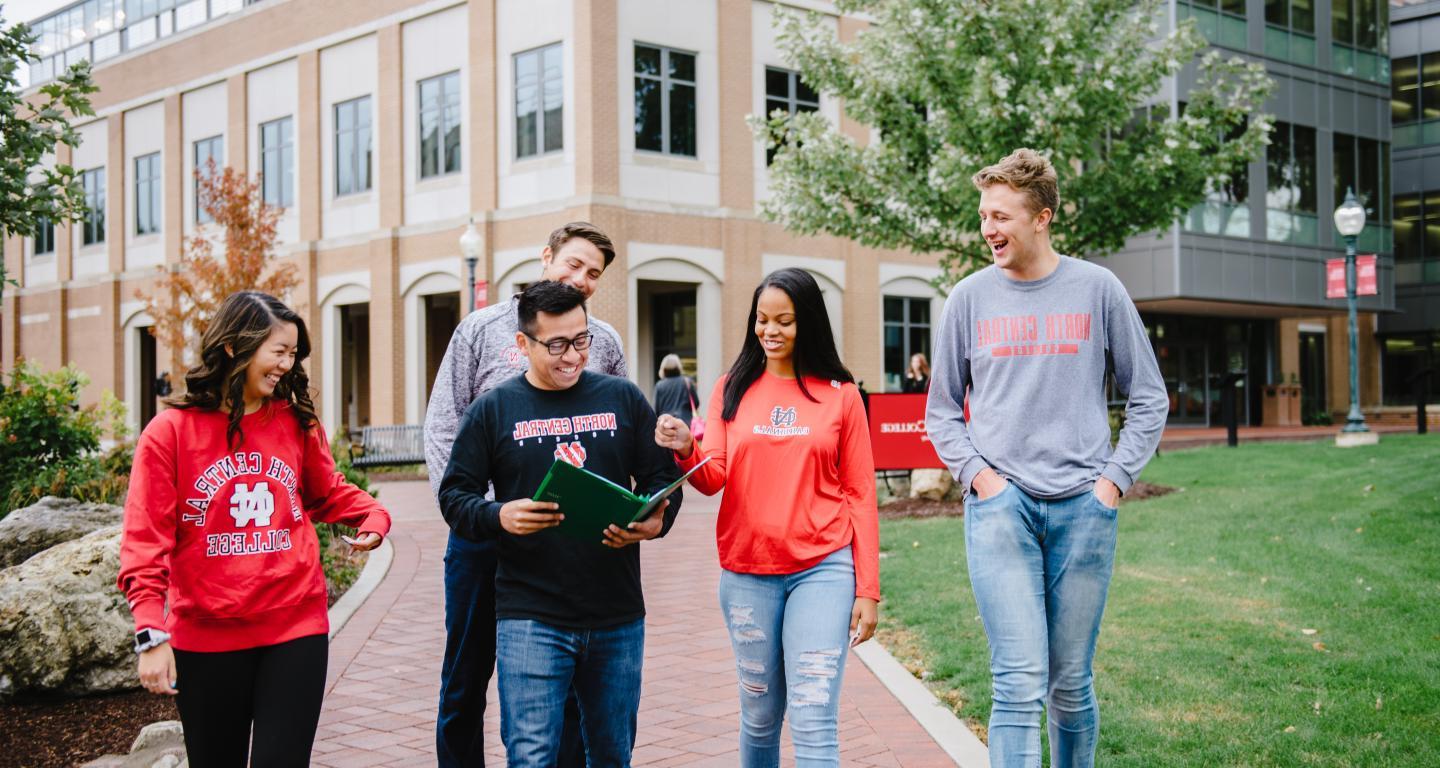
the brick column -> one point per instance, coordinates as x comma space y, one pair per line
849, 29
115, 175
11, 251
64, 237
309, 168
387, 334
597, 143
737, 146
237, 130
175, 183
484, 139
390, 127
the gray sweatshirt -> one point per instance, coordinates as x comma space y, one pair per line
482, 354
1033, 356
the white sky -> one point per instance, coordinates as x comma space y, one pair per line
29, 10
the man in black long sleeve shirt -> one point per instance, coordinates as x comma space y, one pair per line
568, 610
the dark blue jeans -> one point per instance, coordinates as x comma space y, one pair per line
470, 661
540, 663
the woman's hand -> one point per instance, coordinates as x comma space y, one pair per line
674, 434
863, 618
157, 670
363, 543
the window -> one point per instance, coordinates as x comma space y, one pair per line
1415, 100
44, 236
1290, 30
1364, 165
277, 162
1417, 238
352, 146
93, 182
664, 100
440, 125
1222, 22
907, 333
786, 92
1290, 194
1361, 32
147, 194
207, 150
1401, 358
1225, 210
539, 102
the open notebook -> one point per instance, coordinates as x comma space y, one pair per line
591, 503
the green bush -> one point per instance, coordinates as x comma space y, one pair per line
101, 479
50, 441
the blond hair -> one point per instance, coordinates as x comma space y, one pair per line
1026, 171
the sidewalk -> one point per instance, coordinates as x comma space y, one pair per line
384, 673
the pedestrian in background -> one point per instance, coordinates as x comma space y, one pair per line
675, 392
917, 376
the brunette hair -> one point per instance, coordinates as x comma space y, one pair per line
243, 323
585, 231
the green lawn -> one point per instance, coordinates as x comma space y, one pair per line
1205, 657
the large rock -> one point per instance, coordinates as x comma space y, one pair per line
930, 484
31, 530
159, 745
64, 627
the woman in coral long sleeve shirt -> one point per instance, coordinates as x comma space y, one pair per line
798, 530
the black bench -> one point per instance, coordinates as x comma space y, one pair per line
387, 446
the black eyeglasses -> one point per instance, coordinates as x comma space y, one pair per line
557, 347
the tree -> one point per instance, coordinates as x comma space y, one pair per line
950, 86
30, 131
185, 300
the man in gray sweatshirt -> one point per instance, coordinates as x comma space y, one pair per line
1030, 340
482, 355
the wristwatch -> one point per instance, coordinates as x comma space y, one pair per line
149, 638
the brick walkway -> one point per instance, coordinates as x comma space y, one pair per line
385, 664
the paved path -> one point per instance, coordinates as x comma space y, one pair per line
385, 664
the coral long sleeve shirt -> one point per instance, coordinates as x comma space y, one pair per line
223, 537
798, 476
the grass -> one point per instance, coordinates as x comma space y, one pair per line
1205, 656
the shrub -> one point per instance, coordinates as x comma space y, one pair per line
101, 479
49, 440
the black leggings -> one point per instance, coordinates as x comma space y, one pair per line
277, 688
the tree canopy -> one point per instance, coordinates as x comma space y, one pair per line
947, 87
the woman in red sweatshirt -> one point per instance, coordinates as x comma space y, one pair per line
219, 559
798, 530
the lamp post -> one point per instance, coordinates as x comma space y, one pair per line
470, 243
1350, 220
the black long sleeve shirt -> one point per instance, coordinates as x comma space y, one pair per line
509, 437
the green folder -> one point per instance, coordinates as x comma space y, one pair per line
591, 503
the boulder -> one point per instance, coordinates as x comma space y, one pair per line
159, 745
930, 484
31, 530
64, 627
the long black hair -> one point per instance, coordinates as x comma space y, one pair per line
814, 352
243, 322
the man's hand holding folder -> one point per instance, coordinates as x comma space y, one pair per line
523, 517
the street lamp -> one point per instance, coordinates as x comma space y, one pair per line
470, 243
1350, 220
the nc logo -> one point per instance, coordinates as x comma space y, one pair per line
252, 506
571, 453
782, 417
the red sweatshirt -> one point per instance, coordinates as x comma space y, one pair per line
225, 535
799, 479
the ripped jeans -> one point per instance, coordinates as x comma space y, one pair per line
790, 634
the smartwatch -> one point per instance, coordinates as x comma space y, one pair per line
149, 638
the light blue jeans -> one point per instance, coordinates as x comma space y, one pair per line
791, 634
1040, 571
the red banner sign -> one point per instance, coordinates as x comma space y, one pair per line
897, 433
1366, 283
482, 293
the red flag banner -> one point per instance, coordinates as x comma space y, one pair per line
897, 433
1335, 278
1366, 279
